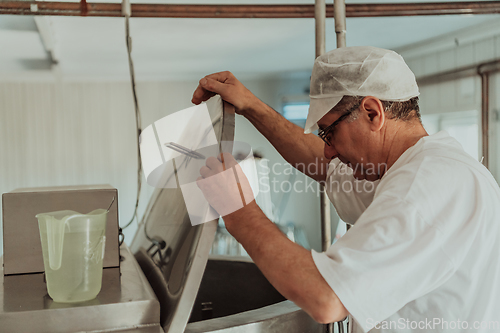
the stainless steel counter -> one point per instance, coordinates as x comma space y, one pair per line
281, 317
126, 303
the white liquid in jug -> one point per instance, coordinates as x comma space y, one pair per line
80, 275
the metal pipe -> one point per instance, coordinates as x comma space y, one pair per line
483, 70
324, 202
83, 8
485, 101
340, 32
319, 19
326, 223
339, 14
417, 9
456, 74
340, 29
460, 73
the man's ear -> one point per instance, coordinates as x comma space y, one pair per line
374, 111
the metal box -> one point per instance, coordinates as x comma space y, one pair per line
22, 248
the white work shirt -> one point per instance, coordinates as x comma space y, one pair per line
424, 252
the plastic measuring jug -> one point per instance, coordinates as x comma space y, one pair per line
73, 250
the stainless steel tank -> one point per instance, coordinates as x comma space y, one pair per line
201, 294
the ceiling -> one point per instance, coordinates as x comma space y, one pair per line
91, 48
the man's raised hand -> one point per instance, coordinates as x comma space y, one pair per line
228, 87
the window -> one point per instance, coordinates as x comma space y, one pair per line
296, 112
463, 126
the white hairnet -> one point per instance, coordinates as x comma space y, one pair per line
357, 71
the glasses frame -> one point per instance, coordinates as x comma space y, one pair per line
324, 132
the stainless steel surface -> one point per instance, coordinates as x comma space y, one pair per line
339, 14
232, 286
176, 281
22, 246
125, 302
234, 296
84, 8
282, 317
171, 252
143, 329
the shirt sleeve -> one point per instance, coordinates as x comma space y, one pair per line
349, 196
390, 257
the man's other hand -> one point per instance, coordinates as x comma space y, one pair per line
224, 184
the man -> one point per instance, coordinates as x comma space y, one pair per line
424, 251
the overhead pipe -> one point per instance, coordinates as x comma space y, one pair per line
83, 8
483, 70
419, 9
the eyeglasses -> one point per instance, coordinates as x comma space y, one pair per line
325, 133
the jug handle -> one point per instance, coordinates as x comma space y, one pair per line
111, 204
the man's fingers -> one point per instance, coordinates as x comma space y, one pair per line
212, 84
227, 160
213, 163
229, 88
201, 95
223, 77
205, 172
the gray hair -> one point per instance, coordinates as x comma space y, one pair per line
405, 111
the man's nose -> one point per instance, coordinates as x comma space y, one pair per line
330, 152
